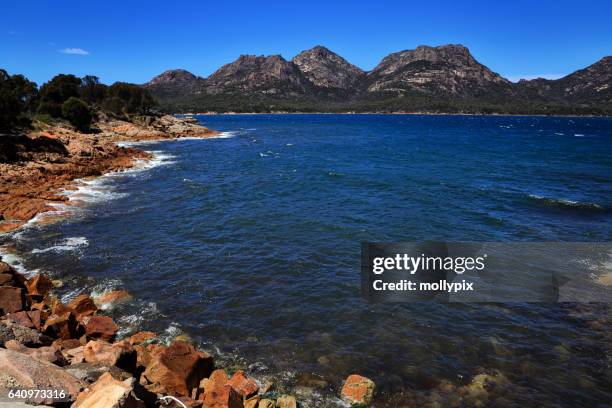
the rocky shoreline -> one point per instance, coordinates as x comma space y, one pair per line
36, 168
59, 354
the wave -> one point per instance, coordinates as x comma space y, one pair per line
68, 244
16, 262
567, 204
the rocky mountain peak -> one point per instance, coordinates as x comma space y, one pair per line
173, 76
261, 74
326, 69
447, 69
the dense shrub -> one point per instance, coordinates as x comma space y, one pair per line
128, 98
55, 92
77, 112
17, 99
92, 90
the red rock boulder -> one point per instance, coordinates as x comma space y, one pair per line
120, 354
100, 327
176, 369
244, 386
39, 286
83, 305
217, 393
12, 300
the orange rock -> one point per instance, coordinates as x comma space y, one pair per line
62, 325
243, 386
252, 402
36, 316
107, 392
217, 393
109, 299
39, 285
50, 354
176, 369
142, 337
100, 327
358, 389
10, 225
21, 318
83, 305
11, 299
6, 279
120, 354
30, 373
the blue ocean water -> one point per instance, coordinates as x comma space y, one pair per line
250, 243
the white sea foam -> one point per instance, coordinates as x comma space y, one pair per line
68, 244
578, 135
135, 322
16, 262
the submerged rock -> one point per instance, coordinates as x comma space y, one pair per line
358, 389
286, 401
266, 403
142, 337
108, 300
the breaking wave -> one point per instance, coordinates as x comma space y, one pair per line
68, 244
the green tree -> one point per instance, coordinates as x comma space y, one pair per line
128, 98
77, 112
92, 90
55, 92
17, 98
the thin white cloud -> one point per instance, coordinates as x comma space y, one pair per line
74, 51
516, 78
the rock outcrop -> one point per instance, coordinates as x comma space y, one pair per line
176, 369
21, 371
47, 161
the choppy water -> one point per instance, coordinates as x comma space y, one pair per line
250, 244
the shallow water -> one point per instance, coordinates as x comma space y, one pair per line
250, 244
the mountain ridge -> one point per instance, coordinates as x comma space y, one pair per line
440, 79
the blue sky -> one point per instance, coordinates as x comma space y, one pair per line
133, 41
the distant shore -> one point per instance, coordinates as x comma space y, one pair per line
390, 113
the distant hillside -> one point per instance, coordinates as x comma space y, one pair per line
444, 79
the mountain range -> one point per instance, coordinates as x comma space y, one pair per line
443, 79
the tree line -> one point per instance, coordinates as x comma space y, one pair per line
67, 97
